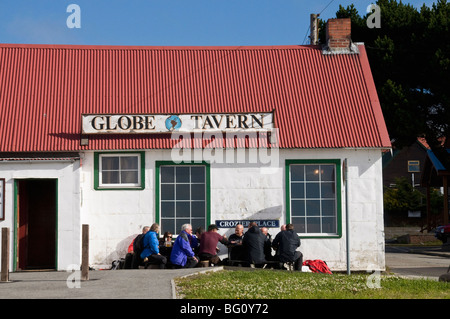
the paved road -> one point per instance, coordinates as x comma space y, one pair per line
117, 284
428, 262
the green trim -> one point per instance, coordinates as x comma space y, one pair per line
158, 164
16, 225
97, 174
337, 162
56, 223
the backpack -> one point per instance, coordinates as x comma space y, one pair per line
138, 244
318, 266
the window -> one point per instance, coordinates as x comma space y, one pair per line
414, 166
119, 170
183, 196
313, 196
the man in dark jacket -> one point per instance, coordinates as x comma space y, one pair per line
254, 241
286, 243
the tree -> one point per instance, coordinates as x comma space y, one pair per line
403, 198
410, 61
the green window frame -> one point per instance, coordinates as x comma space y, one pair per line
308, 199
140, 170
188, 201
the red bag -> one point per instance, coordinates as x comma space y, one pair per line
318, 266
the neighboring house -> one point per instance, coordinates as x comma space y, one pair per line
436, 174
122, 137
407, 162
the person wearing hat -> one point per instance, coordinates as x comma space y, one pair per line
208, 245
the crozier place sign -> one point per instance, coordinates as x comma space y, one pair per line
269, 223
158, 123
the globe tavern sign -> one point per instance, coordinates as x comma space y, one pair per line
158, 123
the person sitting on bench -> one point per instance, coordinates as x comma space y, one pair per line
151, 254
286, 243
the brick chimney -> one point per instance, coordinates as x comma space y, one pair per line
339, 36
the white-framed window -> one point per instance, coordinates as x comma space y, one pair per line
119, 170
313, 195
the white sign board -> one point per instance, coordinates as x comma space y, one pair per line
158, 123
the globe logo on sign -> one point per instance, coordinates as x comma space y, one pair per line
173, 123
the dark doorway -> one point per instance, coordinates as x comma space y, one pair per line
36, 223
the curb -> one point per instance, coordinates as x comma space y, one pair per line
203, 271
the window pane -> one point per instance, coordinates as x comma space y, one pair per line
327, 173
312, 190
313, 207
110, 177
110, 163
129, 162
297, 173
327, 190
312, 172
298, 208
329, 225
313, 225
167, 174
297, 190
182, 192
168, 209
168, 225
183, 209
197, 174
129, 177
167, 192
328, 208
182, 174
198, 209
198, 191
299, 224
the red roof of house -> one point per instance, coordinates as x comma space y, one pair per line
319, 101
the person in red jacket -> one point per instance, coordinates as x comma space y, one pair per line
208, 245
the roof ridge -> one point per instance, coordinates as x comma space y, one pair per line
145, 47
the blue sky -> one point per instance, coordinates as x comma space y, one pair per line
167, 22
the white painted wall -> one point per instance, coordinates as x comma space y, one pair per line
243, 191
68, 210
238, 191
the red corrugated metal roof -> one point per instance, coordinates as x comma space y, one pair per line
319, 101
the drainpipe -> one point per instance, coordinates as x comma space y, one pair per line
347, 222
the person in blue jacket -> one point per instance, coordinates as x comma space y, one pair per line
150, 254
182, 255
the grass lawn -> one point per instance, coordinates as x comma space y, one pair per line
270, 284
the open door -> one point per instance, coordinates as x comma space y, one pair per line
36, 223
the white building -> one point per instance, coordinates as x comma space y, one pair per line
122, 137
